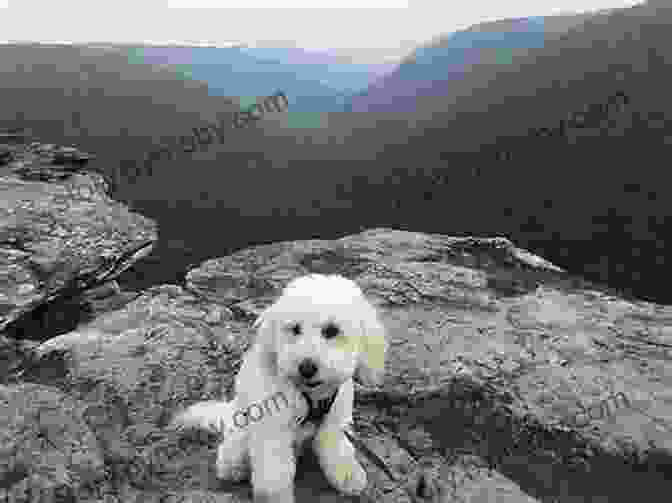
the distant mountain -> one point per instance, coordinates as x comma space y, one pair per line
431, 69
365, 55
345, 67
486, 157
314, 81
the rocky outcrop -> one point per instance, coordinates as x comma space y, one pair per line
62, 243
492, 353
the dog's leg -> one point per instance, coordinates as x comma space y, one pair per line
336, 456
273, 468
233, 462
334, 451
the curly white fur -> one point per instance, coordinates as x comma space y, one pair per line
315, 338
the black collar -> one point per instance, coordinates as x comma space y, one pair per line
317, 410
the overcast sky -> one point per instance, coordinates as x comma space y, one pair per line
390, 31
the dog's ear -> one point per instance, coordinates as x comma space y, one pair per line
372, 348
265, 339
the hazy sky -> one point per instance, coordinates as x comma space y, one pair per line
389, 30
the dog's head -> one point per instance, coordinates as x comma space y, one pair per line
321, 332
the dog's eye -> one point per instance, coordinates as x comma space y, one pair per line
330, 331
295, 329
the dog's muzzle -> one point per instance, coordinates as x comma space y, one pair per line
308, 369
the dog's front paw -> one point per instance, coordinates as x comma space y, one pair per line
233, 473
232, 468
350, 478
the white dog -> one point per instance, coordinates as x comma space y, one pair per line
310, 343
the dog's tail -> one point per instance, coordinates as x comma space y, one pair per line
212, 416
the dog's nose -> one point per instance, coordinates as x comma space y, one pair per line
307, 369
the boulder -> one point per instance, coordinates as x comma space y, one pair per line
60, 236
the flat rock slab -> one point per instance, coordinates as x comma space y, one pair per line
492, 353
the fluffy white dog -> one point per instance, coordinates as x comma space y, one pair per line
310, 344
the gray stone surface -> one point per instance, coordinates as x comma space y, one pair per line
491, 351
